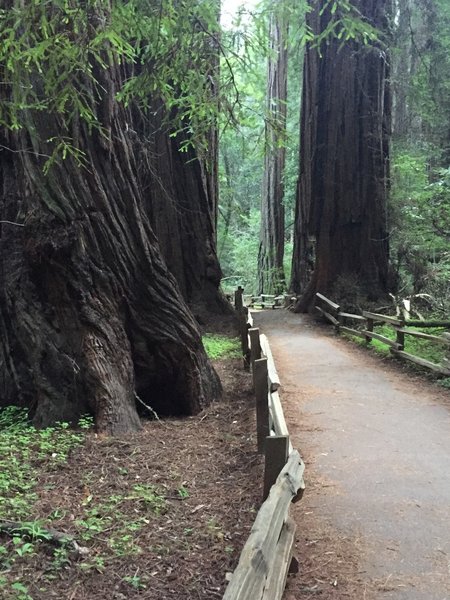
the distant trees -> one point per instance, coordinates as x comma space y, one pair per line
420, 195
341, 219
271, 247
91, 318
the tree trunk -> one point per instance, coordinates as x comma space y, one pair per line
90, 316
341, 231
271, 248
182, 209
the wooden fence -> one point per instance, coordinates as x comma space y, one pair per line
347, 323
266, 558
263, 300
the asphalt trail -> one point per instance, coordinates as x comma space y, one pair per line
380, 437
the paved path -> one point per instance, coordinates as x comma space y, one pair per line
378, 440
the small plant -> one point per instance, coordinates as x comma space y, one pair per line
22, 548
97, 563
21, 591
135, 582
86, 422
148, 494
60, 558
183, 492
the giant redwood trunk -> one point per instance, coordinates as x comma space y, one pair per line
183, 202
341, 229
182, 206
271, 247
90, 315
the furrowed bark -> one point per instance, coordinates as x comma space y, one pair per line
271, 248
90, 315
341, 228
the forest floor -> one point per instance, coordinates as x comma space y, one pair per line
374, 522
163, 514
159, 515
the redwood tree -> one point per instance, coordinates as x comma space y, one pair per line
271, 248
340, 229
90, 316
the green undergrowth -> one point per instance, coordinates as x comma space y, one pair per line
23, 450
426, 349
221, 346
35, 478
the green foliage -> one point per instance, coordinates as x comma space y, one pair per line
427, 349
420, 218
221, 346
430, 84
346, 23
240, 256
53, 55
22, 449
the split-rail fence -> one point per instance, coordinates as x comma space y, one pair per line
267, 556
362, 326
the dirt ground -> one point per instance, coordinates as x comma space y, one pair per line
374, 522
162, 514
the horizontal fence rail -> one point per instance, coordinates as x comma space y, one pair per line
345, 322
266, 558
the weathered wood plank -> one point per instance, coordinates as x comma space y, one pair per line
273, 375
381, 338
276, 452
422, 362
265, 304
351, 331
351, 316
243, 332
327, 315
277, 415
238, 303
412, 323
383, 318
261, 382
277, 577
330, 303
255, 346
250, 577
426, 336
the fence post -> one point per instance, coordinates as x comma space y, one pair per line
238, 299
276, 455
261, 382
340, 324
369, 328
400, 337
243, 330
255, 345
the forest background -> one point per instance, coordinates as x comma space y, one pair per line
418, 199
119, 225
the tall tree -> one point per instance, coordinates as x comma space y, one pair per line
271, 248
90, 316
341, 229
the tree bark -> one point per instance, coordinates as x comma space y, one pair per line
340, 229
182, 208
90, 315
271, 247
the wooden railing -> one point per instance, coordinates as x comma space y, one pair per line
367, 320
263, 300
266, 558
